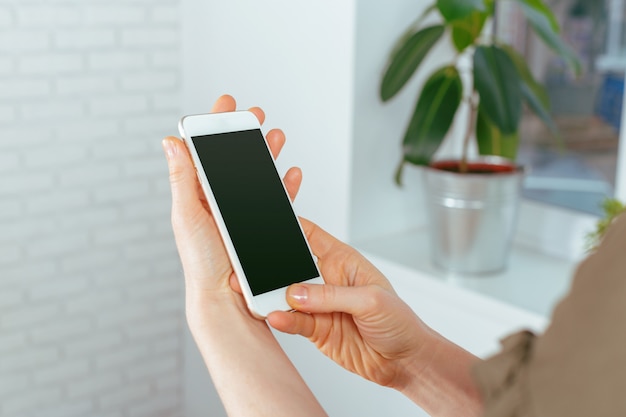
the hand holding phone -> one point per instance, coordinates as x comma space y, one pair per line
262, 235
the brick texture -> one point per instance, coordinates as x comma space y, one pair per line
90, 285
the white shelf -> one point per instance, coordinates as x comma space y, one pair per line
533, 281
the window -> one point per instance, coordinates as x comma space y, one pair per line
580, 170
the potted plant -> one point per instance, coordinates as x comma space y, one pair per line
464, 193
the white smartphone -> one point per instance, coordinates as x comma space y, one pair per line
261, 232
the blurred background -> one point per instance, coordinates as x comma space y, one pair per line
578, 170
91, 300
90, 291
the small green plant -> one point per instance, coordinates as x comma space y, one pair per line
612, 208
496, 90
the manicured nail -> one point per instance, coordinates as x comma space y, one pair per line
299, 293
170, 148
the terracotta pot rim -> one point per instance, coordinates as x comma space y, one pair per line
503, 166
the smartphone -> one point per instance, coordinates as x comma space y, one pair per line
261, 232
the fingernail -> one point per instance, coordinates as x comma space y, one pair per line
299, 293
170, 148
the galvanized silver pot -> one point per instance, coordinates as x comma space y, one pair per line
473, 216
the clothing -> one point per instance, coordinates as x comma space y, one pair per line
577, 368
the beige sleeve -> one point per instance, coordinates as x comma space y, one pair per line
577, 368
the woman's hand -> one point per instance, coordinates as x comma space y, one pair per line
204, 259
231, 341
356, 319
359, 321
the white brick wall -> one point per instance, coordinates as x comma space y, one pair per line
90, 285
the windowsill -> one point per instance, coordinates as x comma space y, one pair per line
533, 281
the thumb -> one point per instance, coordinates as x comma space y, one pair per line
357, 301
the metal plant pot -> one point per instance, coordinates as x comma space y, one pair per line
473, 215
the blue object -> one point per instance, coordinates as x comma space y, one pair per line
611, 99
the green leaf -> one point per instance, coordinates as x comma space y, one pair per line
526, 75
534, 93
490, 7
466, 30
543, 28
408, 58
535, 104
543, 9
499, 86
412, 30
612, 209
491, 141
452, 10
433, 115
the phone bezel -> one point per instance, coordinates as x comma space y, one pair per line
215, 123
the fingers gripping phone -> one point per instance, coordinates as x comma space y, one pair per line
265, 242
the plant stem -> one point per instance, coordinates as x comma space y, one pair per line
471, 126
494, 28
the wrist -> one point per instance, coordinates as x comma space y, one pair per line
209, 308
439, 379
240, 351
413, 368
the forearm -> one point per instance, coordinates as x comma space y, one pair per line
441, 382
251, 372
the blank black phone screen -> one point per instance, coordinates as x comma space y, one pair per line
256, 210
